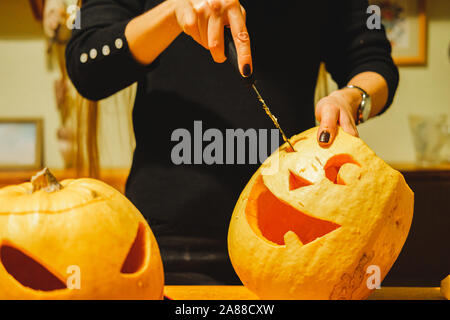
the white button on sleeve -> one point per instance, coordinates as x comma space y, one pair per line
84, 58
105, 50
118, 43
93, 53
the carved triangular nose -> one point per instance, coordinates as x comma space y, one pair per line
296, 181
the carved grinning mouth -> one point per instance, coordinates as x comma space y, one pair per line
271, 218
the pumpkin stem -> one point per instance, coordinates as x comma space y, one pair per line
44, 179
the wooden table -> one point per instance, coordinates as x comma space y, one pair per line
242, 293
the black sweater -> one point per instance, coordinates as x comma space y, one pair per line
289, 39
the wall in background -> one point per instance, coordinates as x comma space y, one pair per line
26, 89
26, 86
422, 90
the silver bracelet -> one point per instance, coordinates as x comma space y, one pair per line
363, 112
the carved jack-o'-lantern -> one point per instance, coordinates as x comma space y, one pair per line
80, 239
319, 223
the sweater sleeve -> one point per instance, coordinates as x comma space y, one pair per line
98, 59
349, 47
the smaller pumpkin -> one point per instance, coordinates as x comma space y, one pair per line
78, 239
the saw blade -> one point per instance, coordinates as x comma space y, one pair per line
271, 116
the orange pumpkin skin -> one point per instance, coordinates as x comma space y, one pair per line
445, 287
309, 223
86, 224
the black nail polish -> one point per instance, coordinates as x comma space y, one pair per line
247, 71
324, 137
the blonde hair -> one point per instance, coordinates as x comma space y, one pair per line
81, 116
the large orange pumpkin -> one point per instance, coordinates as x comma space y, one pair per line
80, 239
310, 223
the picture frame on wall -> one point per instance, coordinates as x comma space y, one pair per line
406, 28
21, 144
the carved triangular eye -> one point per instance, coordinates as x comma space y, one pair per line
138, 254
295, 181
27, 271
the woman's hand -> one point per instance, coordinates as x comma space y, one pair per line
339, 108
54, 16
204, 21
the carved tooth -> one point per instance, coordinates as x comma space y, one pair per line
291, 239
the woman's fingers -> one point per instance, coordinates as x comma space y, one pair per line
241, 39
244, 13
328, 115
187, 17
333, 111
216, 38
348, 124
204, 21
203, 13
